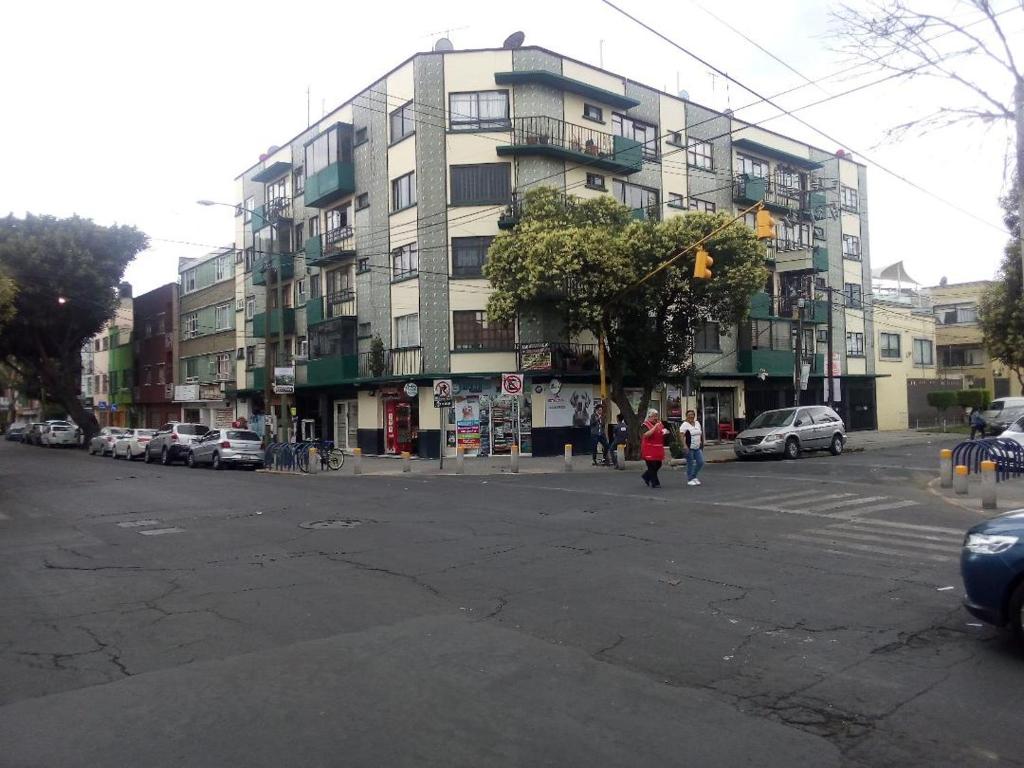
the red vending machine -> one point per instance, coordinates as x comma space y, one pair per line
399, 426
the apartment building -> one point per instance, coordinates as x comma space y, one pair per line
205, 390
375, 224
155, 330
99, 393
960, 348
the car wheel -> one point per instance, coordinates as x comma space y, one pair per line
792, 449
191, 460
1015, 613
92, 451
837, 445
146, 457
165, 458
216, 461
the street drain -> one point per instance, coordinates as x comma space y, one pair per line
316, 525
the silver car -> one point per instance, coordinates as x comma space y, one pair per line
173, 441
222, 448
102, 442
789, 431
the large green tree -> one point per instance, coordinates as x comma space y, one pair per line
586, 261
8, 290
1002, 305
66, 271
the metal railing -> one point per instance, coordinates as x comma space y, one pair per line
338, 240
1007, 454
340, 304
278, 209
401, 361
749, 187
541, 129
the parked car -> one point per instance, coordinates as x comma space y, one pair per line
789, 431
222, 448
992, 567
35, 432
993, 415
16, 434
103, 442
172, 442
1003, 419
61, 434
1015, 431
131, 444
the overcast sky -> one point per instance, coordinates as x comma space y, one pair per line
129, 112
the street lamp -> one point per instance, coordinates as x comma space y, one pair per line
282, 429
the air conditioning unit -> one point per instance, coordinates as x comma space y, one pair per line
191, 379
239, 305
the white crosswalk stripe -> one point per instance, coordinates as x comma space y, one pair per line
882, 539
817, 503
160, 531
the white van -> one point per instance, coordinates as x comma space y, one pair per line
994, 412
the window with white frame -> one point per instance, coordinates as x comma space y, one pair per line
250, 307
854, 344
223, 365
190, 325
699, 155
752, 166
703, 206
405, 261
299, 286
848, 199
923, 352
407, 331
403, 192
851, 247
221, 268
189, 280
250, 206
479, 110
222, 317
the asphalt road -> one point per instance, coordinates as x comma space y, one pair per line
781, 614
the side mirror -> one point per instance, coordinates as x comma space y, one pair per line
798, 423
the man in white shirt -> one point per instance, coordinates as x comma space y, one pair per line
692, 438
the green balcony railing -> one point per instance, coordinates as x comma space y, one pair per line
332, 245
753, 189
328, 371
774, 362
550, 137
819, 258
282, 263
332, 183
260, 326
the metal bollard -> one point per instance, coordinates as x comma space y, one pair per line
460, 460
515, 459
406, 461
945, 468
357, 461
568, 457
988, 485
314, 461
960, 479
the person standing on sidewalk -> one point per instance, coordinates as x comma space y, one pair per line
652, 447
977, 422
620, 436
597, 435
693, 447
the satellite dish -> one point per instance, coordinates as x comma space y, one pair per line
684, 95
444, 44
514, 40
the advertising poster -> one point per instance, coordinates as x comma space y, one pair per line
467, 425
557, 412
284, 380
582, 402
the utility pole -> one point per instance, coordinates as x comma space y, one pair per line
268, 369
798, 352
828, 363
1019, 98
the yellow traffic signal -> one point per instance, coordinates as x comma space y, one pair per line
701, 267
765, 225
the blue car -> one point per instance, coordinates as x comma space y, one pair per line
992, 566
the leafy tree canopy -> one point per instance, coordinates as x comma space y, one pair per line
1002, 305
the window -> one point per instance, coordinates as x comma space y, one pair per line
823, 336
190, 326
403, 122
361, 137
106, 343
752, 166
300, 241
852, 291
407, 331
961, 357
250, 205
590, 112
250, 307
239, 256
191, 366
923, 352
314, 286
149, 329
147, 375
299, 181
363, 264
365, 330
704, 206
330, 147
675, 138
299, 286
362, 201
97, 343
336, 219
848, 199
240, 354
889, 346
706, 338
639, 199
473, 333
486, 184
190, 280
851, 247
105, 381
286, 296
339, 284
480, 110
855, 344
222, 317
698, 155
405, 261
302, 347
645, 133
403, 192
675, 200
469, 255
223, 365
275, 191
160, 374
596, 181
250, 356
963, 313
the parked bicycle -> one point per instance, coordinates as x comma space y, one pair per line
330, 457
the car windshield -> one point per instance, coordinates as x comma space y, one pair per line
242, 434
996, 405
1017, 426
145, 432
192, 429
770, 419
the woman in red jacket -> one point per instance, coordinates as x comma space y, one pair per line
652, 447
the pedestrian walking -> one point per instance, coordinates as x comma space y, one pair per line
597, 436
620, 436
652, 447
977, 422
693, 447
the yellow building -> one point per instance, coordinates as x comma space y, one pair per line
905, 360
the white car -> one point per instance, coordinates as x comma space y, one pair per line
1015, 431
60, 434
103, 442
131, 444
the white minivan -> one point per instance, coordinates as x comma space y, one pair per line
995, 409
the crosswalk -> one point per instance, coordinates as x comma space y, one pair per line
819, 503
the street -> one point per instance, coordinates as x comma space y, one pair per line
799, 613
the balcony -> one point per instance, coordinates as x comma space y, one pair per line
283, 263
329, 184
259, 322
323, 308
756, 189
402, 361
328, 371
549, 137
774, 362
256, 379
557, 357
797, 257
334, 245
278, 210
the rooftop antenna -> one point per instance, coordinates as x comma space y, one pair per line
600, 53
308, 121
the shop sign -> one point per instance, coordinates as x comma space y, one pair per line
535, 357
411, 390
443, 393
284, 380
186, 393
223, 418
512, 384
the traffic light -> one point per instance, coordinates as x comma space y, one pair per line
701, 267
765, 225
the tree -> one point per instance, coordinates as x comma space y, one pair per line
66, 271
942, 399
1001, 309
8, 290
585, 260
972, 54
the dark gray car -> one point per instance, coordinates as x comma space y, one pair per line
789, 431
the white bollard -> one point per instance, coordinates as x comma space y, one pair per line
357, 461
946, 468
960, 480
568, 457
406, 461
988, 485
314, 461
515, 459
460, 460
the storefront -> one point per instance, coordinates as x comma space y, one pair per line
204, 404
401, 413
484, 422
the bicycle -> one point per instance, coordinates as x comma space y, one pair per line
330, 457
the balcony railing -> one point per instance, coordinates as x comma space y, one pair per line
542, 135
769, 191
340, 304
278, 209
559, 357
402, 361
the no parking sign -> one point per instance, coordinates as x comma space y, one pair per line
512, 384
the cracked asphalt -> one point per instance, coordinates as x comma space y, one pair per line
782, 614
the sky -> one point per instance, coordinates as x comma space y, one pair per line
129, 112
